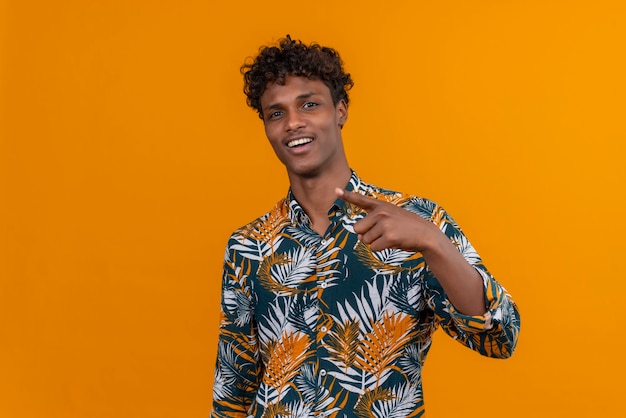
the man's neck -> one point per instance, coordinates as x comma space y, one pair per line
316, 195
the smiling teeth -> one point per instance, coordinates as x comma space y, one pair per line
300, 141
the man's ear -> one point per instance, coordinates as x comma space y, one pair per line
342, 112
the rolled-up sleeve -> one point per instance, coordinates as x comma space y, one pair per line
493, 334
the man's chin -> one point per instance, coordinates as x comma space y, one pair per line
304, 172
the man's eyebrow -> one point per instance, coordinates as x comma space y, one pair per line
299, 97
307, 95
272, 106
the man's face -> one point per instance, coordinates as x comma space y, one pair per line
304, 126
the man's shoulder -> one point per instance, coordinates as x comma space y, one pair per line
399, 198
278, 215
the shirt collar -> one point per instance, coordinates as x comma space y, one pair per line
299, 217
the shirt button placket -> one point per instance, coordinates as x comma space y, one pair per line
322, 284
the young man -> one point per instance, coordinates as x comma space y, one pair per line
330, 300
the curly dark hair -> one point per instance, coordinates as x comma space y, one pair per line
292, 57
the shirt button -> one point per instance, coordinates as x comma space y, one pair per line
349, 210
323, 285
324, 242
323, 329
322, 372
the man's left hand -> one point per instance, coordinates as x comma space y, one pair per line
389, 226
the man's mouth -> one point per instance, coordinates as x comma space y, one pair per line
298, 142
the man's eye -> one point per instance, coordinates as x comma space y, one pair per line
309, 105
275, 115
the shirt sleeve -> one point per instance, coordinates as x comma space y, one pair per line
493, 334
237, 371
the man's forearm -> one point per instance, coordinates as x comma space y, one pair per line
461, 282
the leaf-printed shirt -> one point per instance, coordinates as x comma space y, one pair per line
322, 326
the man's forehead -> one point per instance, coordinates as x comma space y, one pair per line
294, 87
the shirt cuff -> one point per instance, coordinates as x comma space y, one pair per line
477, 323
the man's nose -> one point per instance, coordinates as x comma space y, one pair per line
295, 121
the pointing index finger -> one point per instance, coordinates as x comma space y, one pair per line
364, 202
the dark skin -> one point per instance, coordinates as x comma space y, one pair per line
389, 226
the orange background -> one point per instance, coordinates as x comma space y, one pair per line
128, 155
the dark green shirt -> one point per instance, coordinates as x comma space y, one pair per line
322, 326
